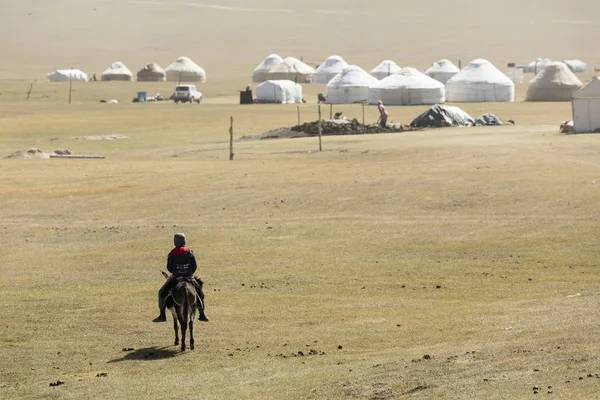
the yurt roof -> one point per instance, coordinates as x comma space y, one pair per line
293, 65
353, 75
481, 71
386, 66
117, 68
408, 78
332, 64
589, 91
271, 61
153, 67
73, 74
184, 64
443, 65
284, 83
555, 74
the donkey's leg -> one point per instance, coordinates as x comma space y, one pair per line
183, 330
176, 330
192, 331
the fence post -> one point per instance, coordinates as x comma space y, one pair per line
363, 112
320, 131
330, 111
230, 138
298, 107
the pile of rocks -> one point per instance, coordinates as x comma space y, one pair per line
344, 127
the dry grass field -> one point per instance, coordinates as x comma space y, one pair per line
440, 264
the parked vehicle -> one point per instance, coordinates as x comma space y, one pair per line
185, 93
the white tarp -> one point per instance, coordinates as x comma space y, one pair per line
442, 70
292, 69
261, 71
66, 75
577, 66
185, 70
407, 87
537, 65
480, 81
555, 82
350, 86
586, 107
385, 68
329, 69
279, 91
151, 73
117, 72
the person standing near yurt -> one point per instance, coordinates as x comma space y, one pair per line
383, 115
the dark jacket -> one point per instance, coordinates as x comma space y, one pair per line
181, 262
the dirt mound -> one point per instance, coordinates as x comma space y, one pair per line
328, 128
34, 152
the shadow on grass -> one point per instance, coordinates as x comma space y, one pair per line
149, 354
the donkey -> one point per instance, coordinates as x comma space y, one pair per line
182, 305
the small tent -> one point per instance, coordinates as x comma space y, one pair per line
117, 72
292, 69
282, 91
442, 115
185, 70
442, 70
586, 107
66, 75
151, 73
407, 87
385, 68
329, 69
537, 65
555, 82
576, 66
261, 71
350, 86
480, 81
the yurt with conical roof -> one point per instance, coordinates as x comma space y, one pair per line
480, 81
66, 75
292, 69
576, 66
117, 72
384, 69
329, 69
283, 91
350, 86
537, 65
185, 70
260, 73
555, 82
151, 73
442, 70
407, 87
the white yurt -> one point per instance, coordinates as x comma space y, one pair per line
151, 73
407, 87
260, 72
329, 69
537, 65
66, 75
117, 72
282, 91
480, 81
385, 68
350, 86
577, 66
185, 70
442, 70
555, 82
292, 69
586, 107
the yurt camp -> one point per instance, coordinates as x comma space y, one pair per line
260, 73
350, 86
185, 70
480, 81
329, 69
282, 91
555, 82
117, 72
407, 87
384, 69
292, 69
586, 107
66, 75
151, 73
442, 70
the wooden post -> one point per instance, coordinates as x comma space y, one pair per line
363, 112
70, 88
29, 89
298, 107
230, 138
320, 131
330, 111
